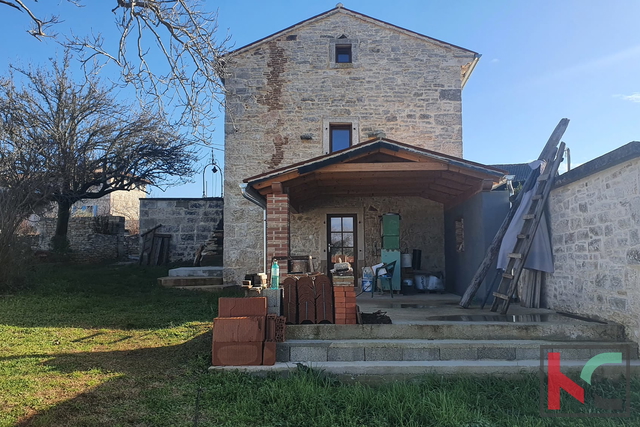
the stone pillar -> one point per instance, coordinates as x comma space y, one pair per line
278, 227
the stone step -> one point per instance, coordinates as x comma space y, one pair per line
552, 331
384, 371
196, 272
174, 282
433, 350
212, 288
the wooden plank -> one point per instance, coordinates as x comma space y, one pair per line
386, 167
494, 247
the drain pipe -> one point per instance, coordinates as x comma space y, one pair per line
251, 195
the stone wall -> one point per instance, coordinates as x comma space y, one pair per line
282, 94
91, 239
595, 226
421, 227
191, 222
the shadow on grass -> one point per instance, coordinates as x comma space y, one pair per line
105, 296
151, 386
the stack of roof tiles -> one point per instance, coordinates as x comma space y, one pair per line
243, 333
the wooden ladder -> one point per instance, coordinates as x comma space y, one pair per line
508, 283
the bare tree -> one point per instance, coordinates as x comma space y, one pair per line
187, 87
23, 190
85, 142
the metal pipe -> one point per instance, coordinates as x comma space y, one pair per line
253, 198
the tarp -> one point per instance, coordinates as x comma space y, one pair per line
540, 256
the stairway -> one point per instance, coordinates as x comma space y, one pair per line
195, 278
374, 353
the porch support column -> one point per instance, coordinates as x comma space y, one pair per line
278, 226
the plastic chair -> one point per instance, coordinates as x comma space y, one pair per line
387, 276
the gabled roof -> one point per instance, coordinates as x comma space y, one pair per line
380, 167
342, 9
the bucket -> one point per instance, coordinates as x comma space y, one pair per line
406, 260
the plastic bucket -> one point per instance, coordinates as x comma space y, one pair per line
406, 260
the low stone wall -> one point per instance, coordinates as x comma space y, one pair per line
595, 226
91, 239
191, 222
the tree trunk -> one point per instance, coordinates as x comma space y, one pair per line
60, 242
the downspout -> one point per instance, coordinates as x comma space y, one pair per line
247, 194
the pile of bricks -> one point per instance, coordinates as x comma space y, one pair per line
244, 334
344, 296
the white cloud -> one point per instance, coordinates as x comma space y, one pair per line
634, 97
494, 60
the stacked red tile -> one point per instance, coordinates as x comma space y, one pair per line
243, 333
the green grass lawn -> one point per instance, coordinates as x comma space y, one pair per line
106, 346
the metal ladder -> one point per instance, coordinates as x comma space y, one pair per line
517, 258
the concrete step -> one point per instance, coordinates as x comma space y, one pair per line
174, 282
212, 288
438, 330
434, 350
196, 272
383, 371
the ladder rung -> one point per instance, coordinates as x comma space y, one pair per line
543, 177
523, 236
537, 197
528, 216
507, 276
501, 296
515, 255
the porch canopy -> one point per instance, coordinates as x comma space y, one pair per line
378, 167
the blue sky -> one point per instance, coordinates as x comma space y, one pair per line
541, 61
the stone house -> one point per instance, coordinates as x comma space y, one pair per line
119, 203
334, 122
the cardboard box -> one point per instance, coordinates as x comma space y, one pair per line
239, 329
237, 353
240, 307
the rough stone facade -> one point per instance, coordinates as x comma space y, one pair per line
91, 239
191, 222
595, 226
283, 92
421, 227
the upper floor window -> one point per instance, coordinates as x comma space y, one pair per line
339, 133
339, 136
343, 53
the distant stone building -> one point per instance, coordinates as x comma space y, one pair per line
340, 119
119, 203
